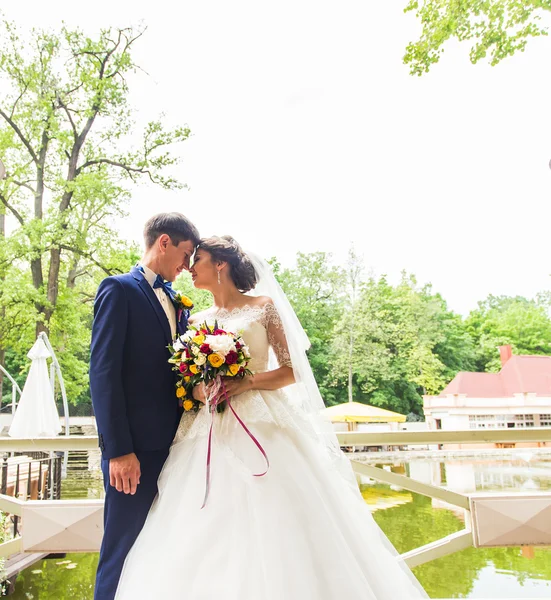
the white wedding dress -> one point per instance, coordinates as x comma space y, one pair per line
301, 532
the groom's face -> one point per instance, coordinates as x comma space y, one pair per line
176, 258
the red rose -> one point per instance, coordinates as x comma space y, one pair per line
238, 346
205, 349
183, 367
231, 358
219, 332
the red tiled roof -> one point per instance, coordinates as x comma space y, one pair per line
519, 374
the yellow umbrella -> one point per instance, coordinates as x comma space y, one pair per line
355, 412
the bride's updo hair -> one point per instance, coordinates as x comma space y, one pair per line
226, 249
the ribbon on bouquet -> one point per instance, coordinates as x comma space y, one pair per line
212, 401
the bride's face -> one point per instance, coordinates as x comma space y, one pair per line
204, 272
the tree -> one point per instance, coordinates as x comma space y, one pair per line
72, 155
404, 337
354, 269
316, 290
497, 28
64, 114
501, 320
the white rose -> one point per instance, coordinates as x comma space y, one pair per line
195, 350
222, 344
200, 359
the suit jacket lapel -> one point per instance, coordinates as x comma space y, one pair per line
154, 301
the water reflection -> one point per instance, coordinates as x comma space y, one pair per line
408, 519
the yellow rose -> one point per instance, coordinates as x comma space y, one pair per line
186, 302
187, 378
180, 392
188, 404
198, 339
194, 369
216, 360
233, 370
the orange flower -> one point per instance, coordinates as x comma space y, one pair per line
180, 392
188, 405
233, 370
194, 369
186, 301
216, 360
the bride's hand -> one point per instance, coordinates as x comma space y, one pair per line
200, 392
235, 386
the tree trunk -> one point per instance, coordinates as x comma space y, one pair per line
351, 356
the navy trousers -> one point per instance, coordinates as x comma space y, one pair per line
124, 517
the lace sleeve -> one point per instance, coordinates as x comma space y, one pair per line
276, 335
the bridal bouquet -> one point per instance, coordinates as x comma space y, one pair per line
205, 353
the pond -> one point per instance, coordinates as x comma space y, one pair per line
408, 519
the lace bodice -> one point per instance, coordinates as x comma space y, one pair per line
261, 329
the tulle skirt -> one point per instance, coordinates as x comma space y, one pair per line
297, 533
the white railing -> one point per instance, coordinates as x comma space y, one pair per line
15, 389
348, 438
479, 531
469, 436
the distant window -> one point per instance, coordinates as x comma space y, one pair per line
487, 421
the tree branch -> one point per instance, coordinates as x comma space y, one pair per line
24, 184
114, 163
86, 255
19, 133
14, 211
68, 113
17, 100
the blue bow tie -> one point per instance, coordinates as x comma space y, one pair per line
165, 285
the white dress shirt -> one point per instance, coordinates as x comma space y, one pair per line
167, 305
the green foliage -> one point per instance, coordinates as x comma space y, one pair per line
201, 298
494, 28
394, 358
317, 292
500, 320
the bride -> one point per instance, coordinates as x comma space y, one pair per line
300, 532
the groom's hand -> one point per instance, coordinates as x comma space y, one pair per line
124, 473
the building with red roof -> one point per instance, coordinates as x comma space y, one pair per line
518, 396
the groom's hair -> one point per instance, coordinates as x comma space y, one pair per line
175, 225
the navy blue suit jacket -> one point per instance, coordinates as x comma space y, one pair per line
131, 381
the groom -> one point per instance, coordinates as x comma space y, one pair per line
132, 385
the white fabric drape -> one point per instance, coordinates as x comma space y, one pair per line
36, 414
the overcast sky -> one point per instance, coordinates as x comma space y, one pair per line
310, 134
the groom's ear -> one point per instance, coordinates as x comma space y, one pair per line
163, 242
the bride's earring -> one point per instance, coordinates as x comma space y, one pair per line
218, 277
